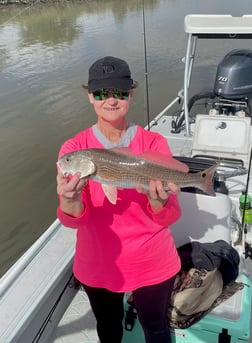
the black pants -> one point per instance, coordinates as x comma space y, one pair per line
151, 303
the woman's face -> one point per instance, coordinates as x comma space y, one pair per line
111, 107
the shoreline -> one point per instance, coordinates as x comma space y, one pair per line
31, 2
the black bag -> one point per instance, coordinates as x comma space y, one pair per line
218, 254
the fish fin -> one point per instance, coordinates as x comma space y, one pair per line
110, 192
167, 161
156, 157
123, 150
207, 176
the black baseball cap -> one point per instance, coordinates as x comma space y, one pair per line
109, 72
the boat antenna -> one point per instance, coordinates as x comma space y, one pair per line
146, 67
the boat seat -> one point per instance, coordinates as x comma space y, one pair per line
204, 218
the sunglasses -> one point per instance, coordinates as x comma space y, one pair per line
103, 94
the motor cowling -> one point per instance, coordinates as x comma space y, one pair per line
234, 75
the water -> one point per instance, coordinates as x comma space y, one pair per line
45, 52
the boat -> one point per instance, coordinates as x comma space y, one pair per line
40, 300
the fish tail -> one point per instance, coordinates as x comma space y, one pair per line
207, 179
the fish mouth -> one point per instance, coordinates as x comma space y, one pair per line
60, 168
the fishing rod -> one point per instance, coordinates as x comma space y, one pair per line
146, 66
246, 191
247, 247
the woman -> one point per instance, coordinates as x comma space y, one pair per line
127, 246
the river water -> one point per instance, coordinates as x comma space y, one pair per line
45, 53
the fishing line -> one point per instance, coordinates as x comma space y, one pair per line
20, 12
146, 67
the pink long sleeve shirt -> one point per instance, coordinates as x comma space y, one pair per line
125, 246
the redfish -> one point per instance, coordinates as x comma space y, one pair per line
117, 168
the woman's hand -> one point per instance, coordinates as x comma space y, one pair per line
69, 190
157, 195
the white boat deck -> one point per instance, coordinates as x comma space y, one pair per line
78, 323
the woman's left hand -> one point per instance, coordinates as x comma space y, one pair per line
157, 195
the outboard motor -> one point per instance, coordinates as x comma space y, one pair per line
233, 83
234, 75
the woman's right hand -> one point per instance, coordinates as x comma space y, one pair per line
69, 190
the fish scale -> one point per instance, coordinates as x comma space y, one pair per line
112, 173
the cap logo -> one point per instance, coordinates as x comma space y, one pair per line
108, 69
